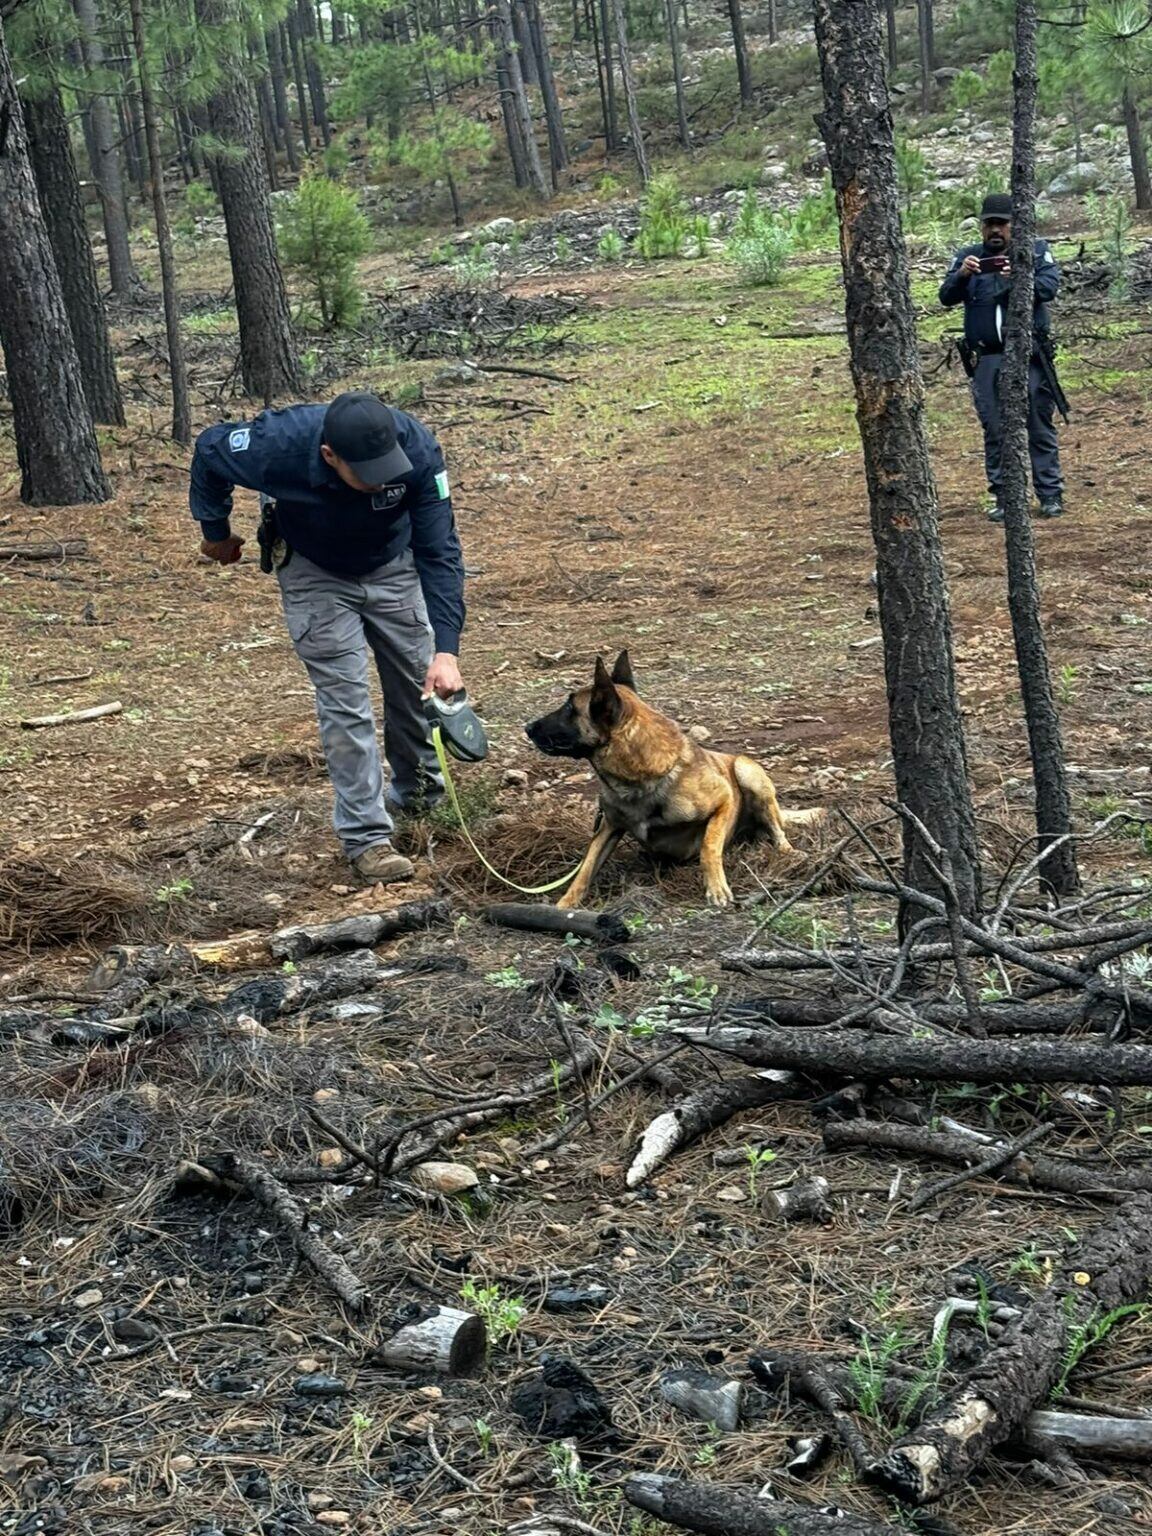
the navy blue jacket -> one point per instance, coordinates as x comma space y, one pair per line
985, 295
347, 532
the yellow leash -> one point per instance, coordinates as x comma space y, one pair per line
454, 802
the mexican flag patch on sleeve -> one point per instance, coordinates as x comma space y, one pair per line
442, 485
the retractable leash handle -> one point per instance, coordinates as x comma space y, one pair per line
457, 730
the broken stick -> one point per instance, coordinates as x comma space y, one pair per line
75, 717
718, 1511
846, 1053
362, 931
265, 1188
1110, 1269
702, 1111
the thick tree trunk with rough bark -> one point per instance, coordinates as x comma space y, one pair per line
557, 149
55, 440
63, 206
519, 98
1137, 150
682, 132
740, 47
1053, 804
924, 721
103, 137
623, 53
181, 405
267, 350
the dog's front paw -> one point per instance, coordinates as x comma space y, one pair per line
720, 894
573, 897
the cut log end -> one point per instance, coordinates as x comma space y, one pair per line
450, 1341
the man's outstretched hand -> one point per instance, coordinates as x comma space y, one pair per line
443, 675
223, 551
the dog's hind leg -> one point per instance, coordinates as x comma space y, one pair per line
603, 841
760, 797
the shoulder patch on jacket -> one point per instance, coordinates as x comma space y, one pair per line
1048, 257
442, 485
240, 439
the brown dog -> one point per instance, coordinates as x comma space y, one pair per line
677, 799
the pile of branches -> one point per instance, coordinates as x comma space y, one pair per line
478, 321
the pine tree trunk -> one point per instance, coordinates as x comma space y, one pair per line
924, 720
629, 85
106, 170
1137, 151
274, 48
516, 155
134, 138
613, 118
55, 439
181, 405
677, 74
740, 45
523, 35
557, 149
267, 349
267, 113
292, 33
1053, 806
925, 35
773, 23
890, 29
62, 204
308, 35
520, 107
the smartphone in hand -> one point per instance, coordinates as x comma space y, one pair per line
993, 263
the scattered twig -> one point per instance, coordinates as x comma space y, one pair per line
990, 1164
75, 717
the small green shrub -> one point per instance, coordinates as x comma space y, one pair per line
322, 235
611, 246
760, 244
814, 224
663, 220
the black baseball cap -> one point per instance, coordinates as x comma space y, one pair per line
360, 428
997, 208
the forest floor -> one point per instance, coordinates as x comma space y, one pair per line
695, 493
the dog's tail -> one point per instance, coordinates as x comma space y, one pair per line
803, 818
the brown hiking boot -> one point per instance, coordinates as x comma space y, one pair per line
382, 865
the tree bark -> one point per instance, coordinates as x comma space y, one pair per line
701, 1111
106, 169
1111, 1268
181, 404
1137, 151
521, 30
516, 155
62, 204
718, 1511
55, 440
924, 719
624, 56
606, 84
682, 132
740, 45
890, 29
274, 47
308, 36
554, 116
941, 1059
1053, 803
1032, 1170
267, 350
365, 930
520, 107
773, 24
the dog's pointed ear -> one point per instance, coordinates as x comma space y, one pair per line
622, 671
605, 706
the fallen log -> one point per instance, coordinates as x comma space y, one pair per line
599, 927
362, 931
58, 549
719, 1511
1001, 1018
1093, 1434
274, 996
72, 717
267, 1190
1109, 1270
847, 1053
702, 1111
447, 1340
1034, 1172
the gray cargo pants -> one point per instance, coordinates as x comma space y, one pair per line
334, 622
1042, 444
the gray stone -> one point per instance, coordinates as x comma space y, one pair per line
496, 229
774, 171
1083, 177
456, 373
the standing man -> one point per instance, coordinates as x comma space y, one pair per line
358, 523
980, 279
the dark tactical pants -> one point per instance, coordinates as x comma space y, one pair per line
335, 622
1042, 443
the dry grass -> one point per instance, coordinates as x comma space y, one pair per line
76, 901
